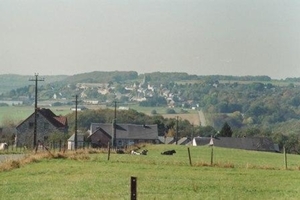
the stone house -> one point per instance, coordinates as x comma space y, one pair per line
47, 123
126, 134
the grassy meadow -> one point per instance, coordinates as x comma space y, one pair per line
235, 174
19, 113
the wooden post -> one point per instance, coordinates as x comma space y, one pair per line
189, 156
212, 156
133, 188
108, 156
285, 158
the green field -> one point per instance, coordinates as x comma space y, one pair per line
20, 113
236, 174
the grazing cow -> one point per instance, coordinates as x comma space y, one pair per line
135, 153
144, 152
3, 146
169, 152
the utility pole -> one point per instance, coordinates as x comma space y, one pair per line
114, 126
75, 135
176, 130
36, 79
192, 135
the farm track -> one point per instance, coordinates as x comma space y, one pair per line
202, 118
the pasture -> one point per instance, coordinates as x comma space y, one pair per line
236, 174
18, 113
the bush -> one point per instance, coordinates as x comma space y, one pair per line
170, 111
153, 112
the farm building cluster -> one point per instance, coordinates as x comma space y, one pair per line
44, 122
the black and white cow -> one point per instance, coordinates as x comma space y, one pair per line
144, 152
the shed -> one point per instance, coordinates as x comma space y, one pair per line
80, 141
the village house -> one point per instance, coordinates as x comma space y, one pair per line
47, 123
126, 134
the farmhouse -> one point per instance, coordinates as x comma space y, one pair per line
126, 134
246, 143
47, 123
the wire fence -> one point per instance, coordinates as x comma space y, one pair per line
52, 146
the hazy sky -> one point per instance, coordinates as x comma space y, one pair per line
203, 37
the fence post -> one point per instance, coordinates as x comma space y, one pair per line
108, 151
189, 156
285, 158
133, 188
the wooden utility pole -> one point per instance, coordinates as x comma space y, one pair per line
36, 79
114, 127
176, 130
75, 134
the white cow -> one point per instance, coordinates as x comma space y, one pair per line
3, 146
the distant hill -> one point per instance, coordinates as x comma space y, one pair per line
101, 77
9, 82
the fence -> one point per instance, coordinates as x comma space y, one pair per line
52, 146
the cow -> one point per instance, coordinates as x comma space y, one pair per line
135, 153
144, 152
169, 152
3, 146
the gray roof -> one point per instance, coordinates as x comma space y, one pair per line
128, 131
166, 140
247, 143
201, 141
182, 141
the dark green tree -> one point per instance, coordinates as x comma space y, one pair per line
226, 130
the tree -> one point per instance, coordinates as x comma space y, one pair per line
153, 112
170, 111
226, 130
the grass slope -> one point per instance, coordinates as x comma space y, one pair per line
236, 174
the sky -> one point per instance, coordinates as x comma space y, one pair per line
201, 37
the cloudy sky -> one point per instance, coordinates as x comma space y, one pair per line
203, 37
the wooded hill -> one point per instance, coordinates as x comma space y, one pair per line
246, 102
